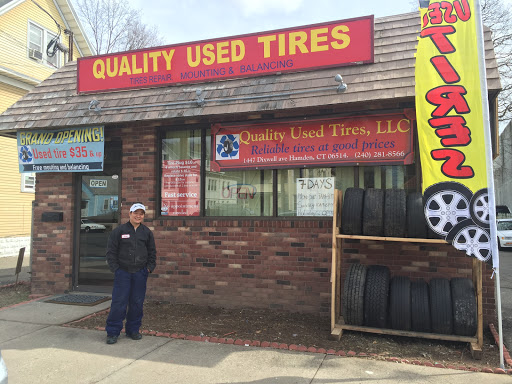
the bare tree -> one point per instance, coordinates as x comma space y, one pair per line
497, 16
115, 27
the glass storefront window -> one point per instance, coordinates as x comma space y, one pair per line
250, 193
370, 177
287, 192
237, 193
388, 177
343, 177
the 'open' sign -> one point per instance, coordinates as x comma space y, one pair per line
98, 183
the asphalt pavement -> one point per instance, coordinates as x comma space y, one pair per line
506, 297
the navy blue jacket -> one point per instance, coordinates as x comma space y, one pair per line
130, 249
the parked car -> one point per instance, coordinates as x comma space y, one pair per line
504, 229
88, 225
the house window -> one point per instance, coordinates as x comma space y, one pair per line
38, 40
28, 182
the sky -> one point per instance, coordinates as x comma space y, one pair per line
181, 21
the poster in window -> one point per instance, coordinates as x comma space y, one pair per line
180, 187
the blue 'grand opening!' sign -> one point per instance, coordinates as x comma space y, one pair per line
68, 150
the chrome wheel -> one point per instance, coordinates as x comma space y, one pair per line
445, 209
474, 240
480, 208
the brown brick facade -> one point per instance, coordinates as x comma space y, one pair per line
52, 242
254, 263
276, 264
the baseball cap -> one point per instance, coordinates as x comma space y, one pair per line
136, 206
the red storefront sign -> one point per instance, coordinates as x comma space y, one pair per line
378, 139
180, 187
333, 44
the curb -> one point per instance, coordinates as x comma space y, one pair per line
506, 355
14, 284
298, 348
23, 302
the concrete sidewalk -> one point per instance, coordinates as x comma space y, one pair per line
37, 349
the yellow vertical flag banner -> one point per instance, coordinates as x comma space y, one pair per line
451, 127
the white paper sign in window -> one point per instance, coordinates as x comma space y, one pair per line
28, 182
315, 196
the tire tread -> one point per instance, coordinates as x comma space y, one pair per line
353, 294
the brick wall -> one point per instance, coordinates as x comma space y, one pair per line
52, 242
139, 175
253, 263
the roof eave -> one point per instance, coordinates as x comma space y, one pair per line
73, 23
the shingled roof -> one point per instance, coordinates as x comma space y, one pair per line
55, 103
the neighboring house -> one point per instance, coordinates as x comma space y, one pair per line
25, 32
503, 168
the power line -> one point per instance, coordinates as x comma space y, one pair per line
45, 11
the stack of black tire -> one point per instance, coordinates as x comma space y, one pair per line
378, 212
373, 299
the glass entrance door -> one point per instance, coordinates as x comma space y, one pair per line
99, 215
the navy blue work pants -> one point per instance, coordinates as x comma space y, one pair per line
128, 292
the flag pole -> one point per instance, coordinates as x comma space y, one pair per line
500, 322
490, 173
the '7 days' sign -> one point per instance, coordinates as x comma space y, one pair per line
315, 196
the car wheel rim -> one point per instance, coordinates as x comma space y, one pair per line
480, 208
474, 241
445, 209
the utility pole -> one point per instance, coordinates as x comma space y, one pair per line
70, 44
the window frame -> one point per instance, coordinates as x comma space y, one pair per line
46, 36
